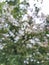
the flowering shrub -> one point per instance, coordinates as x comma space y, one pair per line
24, 34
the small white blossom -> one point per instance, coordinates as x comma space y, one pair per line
38, 62
21, 32
1, 46
36, 39
32, 60
16, 38
32, 41
29, 46
26, 62
47, 35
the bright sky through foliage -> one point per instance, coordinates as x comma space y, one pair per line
2, 0
44, 6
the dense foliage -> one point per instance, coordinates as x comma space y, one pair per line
22, 41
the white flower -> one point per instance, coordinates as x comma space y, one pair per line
34, 27
28, 30
47, 35
29, 45
25, 18
32, 60
21, 32
32, 41
26, 62
11, 33
38, 62
36, 39
16, 38
48, 54
1, 46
